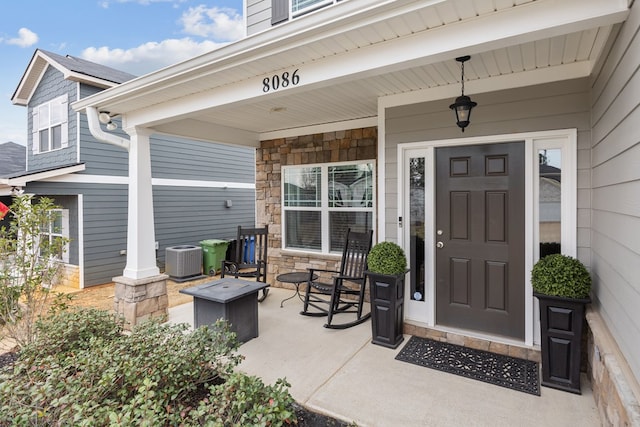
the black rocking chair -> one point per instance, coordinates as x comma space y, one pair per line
344, 292
250, 256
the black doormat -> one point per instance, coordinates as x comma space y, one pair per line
510, 372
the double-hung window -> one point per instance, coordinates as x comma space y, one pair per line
322, 201
299, 7
49, 127
54, 234
283, 10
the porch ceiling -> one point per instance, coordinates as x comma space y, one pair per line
357, 52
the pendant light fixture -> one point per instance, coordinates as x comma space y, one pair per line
463, 104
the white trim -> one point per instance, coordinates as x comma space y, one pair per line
326, 127
381, 196
563, 138
324, 209
124, 180
81, 262
21, 181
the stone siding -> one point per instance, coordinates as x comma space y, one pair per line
340, 146
615, 390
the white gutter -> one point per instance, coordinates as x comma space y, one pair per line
99, 134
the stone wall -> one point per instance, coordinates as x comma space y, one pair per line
615, 390
339, 146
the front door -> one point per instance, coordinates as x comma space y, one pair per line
479, 235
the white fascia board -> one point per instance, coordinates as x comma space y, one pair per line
42, 176
292, 34
195, 129
327, 127
527, 23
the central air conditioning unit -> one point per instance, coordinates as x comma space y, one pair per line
183, 261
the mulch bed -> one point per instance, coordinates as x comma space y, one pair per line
7, 359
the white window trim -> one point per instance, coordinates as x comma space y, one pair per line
64, 233
423, 312
318, 5
59, 102
324, 204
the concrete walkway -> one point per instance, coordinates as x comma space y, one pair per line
340, 373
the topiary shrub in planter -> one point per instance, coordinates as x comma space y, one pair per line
562, 285
387, 258
561, 276
386, 270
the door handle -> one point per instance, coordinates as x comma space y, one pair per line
439, 245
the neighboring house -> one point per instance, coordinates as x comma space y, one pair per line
12, 158
363, 87
192, 180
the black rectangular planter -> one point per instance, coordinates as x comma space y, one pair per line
561, 322
387, 308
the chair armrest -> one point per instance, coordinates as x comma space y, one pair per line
313, 270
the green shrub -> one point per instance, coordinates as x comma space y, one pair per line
562, 276
30, 266
387, 258
159, 375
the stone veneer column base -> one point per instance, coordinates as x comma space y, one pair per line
138, 300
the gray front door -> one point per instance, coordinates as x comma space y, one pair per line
480, 229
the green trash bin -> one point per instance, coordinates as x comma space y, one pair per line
213, 253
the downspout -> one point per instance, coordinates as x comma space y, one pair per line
99, 134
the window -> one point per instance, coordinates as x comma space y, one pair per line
298, 7
322, 201
549, 203
49, 128
54, 231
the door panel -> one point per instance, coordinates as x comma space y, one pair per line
480, 232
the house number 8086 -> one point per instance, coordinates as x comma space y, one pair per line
278, 81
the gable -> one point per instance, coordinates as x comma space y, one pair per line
72, 69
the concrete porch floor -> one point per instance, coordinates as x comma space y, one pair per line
341, 374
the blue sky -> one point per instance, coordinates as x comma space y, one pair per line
137, 36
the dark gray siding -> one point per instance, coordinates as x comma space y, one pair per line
175, 158
51, 86
182, 215
615, 158
561, 105
188, 215
100, 158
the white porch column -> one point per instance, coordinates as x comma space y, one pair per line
141, 241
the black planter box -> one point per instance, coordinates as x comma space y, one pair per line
387, 308
561, 321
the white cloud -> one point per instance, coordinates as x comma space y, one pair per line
221, 24
150, 56
25, 38
106, 3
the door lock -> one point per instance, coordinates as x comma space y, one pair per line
439, 245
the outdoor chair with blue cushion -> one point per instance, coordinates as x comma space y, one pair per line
250, 258
341, 291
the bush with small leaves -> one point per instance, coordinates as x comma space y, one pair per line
159, 375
